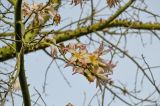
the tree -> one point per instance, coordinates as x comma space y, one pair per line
27, 27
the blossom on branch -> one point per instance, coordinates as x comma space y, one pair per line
91, 65
40, 11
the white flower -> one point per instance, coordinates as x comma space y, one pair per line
54, 51
16, 86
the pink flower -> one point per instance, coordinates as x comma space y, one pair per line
100, 51
26, 9
91, 65
40, 10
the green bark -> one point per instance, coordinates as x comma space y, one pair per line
8, 52
19, 32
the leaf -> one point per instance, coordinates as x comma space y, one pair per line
112, 3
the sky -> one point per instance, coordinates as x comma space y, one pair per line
59, 93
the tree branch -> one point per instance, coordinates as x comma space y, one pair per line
13, 2
8, 52
20, 72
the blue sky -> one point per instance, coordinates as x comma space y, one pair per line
59, 93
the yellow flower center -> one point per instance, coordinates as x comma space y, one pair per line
76, 55
93, 59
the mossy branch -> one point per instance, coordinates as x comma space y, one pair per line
8, 52
102, 24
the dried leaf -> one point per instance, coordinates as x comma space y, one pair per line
112, 3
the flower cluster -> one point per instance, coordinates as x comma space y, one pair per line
91, 65
40, 10
112, 3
